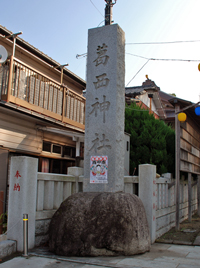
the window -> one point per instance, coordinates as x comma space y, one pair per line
45, 165
69, 151
64, 151
51, 148
58, 166
56, 149
46, 146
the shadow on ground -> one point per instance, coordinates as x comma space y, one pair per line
186, 235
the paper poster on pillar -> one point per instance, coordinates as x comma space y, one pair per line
99, 169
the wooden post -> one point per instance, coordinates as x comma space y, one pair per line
9, 80
198, 195
11, 70
177, 128
64, 103
61, 76
189, 197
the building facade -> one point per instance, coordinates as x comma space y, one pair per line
41, 109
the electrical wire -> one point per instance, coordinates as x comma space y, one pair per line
176, 60
161, 59
100, 23
11, 227
81, 55
163, 43
96, 8
2, 201
137, 56
153, 59
142, 57
148, 59
150, 43
138, 72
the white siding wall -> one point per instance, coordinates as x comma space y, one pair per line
145, 99
19, 134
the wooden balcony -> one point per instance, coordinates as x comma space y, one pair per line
24, 86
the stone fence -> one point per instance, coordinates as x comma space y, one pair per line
53, 189
166, 203
159, 199
161, 209
157, 195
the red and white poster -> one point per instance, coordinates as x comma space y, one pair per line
98, 169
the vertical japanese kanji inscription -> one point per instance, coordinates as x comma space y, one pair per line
105, 103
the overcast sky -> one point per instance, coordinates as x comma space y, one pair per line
59, 29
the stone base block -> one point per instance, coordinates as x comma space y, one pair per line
41, 240
7, 248
99, 224
41, 232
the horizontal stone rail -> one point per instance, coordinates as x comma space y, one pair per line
52, 189
42, 193
159, 199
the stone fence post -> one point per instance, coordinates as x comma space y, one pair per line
147, 193
76, 172
22, 199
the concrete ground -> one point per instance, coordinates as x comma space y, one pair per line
160, 256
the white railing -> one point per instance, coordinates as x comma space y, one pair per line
166, 203
52, 189
42, 193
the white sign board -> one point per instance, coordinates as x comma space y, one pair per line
99, 169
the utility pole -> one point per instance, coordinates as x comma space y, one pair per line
108, 11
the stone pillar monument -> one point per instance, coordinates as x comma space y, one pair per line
103, 220
105, 104
22, 199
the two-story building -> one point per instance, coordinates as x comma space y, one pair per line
41, 109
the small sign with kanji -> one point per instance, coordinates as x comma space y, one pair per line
17, 175
99, 169
17, 185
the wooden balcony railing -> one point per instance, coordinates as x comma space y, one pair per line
27, 87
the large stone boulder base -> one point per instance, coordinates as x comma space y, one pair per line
99, 224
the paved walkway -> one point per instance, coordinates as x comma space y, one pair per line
160, 256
